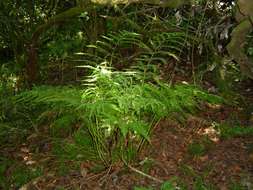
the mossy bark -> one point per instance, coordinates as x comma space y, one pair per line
239, 36
236, 47
32, 62
164, 3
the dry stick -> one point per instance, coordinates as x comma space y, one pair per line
94, 176
103, 178
144, 174
141, 173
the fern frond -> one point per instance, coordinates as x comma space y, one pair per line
55, 96
118, 101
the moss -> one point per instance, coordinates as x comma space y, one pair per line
235, 47
246, 7
165, 3
244, 16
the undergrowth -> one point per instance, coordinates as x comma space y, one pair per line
125, 48
116, 110
20, 173
229, 131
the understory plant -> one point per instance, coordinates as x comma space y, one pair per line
119, 109
125, 48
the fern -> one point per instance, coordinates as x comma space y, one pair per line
117, 100
56, 97
118, 107
130, 48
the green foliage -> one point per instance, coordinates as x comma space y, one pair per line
126, 48
228, 131
64, 167
81, 147
249, 45
167, 186
116, 100
200, 184
113, 115
196, 149
7, 84
12, 116
142, 188
22, 175
62, 126
199, 180
64, 44
4, 164
18, 174
118, 109
56, 97
237, 186
147, 164
200, 147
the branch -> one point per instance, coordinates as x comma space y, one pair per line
58, 19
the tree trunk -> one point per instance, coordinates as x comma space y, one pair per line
32, 65
32, 62
244, 15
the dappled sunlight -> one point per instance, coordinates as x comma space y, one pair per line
126, 94
112, 2
212, 133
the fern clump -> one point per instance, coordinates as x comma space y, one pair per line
122, 107
119, 109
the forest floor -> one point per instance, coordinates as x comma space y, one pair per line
191, 154
197, 153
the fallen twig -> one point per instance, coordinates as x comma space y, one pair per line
142, 173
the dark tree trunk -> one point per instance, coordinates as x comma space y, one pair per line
32, 64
